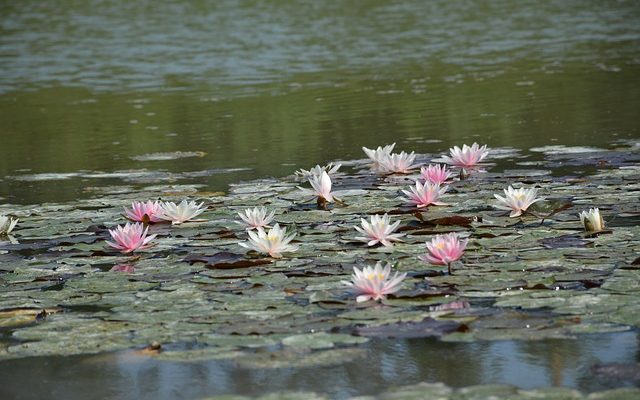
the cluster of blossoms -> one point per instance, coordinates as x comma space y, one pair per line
157, 211
133, 236
374, 283
368, 283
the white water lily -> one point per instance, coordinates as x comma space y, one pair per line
592, 220
7, 224
517, 200
321, 185
257, 217
397, 163
374, 283
179, 213
376, 155
467, 157
330, 169
379, 230
274, 243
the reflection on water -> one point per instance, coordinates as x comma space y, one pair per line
49, 131
568, 363
149, 44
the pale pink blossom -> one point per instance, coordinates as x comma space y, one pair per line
330, 168
467, 157
374, 283
180, 213
274, 243
517, 200
397, 163
129, 238
378, 154
425, 194
444, 249
321, 185
435, 173
380, 230
144, 212
257, 217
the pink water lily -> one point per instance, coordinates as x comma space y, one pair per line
517, 200
374, 283
144, 212
444, 249
435, 173
425, 194
467, 157
130, 237
380, 230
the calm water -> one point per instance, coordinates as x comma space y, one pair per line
266, 87
273, 86
528, 365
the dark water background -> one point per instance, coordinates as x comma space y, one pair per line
273, 86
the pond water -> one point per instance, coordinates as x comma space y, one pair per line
106, 97
587, 364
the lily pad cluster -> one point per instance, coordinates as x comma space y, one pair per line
531, 277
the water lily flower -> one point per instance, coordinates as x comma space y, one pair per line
374, 283
380, 230
131, 237
517, 200
467, 157
7, 224
444, 249
592, 220
144, 212
397, 163
423, 195
274, 243
330, 168
435, 173
321, 185
183, 212
257, 217
378, 154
